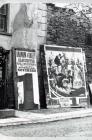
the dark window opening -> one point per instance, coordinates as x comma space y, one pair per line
88, 40
3, 18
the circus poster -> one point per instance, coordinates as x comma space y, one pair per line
66, 75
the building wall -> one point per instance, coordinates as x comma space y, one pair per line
36, 34
13, 9
39, 34
5, 41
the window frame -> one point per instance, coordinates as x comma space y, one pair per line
88, 39
4, 18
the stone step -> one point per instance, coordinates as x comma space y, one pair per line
5, 113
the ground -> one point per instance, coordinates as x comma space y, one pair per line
81, 127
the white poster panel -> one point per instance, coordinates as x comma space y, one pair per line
26, 63
66, 73
20, 93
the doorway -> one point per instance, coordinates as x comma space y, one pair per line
2, 78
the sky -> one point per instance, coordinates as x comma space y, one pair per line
50, 1
58, 2
66, 2
74, 1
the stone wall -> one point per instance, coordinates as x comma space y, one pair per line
41, 36
41, 30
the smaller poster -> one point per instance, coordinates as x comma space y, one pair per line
26, 64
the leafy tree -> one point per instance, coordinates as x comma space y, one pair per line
69, 25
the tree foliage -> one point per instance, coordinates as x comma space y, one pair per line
66, 26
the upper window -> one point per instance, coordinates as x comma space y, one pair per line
88, 39
3, 18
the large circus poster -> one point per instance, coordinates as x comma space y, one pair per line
66, 75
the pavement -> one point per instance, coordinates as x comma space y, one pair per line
45, 115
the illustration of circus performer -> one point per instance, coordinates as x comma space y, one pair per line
66, 74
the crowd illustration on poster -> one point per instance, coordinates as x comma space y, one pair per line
66, 73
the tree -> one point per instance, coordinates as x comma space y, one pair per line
69, 25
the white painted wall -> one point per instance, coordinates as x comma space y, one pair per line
13, 9
5, 41
36, 35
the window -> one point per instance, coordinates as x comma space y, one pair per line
88, 40
3, 18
